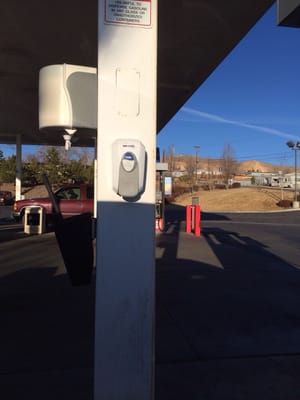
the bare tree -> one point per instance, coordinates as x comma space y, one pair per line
190, 167
170, 157
228, 163
209, 176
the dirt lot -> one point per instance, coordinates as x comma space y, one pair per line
240, 199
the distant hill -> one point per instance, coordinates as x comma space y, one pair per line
259, 166
181, 162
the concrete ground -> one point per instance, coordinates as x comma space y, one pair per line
228, 314
228, 310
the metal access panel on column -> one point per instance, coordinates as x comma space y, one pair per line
124, 323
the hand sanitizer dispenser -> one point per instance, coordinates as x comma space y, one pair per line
129, 164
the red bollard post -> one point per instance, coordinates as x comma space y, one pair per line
197, 229
188, 218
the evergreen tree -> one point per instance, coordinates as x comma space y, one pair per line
53, 166
8, 169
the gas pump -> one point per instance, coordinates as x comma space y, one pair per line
161, 168
159, 211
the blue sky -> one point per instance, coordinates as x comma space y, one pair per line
251, 101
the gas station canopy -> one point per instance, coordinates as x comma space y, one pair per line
194, 37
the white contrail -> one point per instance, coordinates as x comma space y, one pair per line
217, 118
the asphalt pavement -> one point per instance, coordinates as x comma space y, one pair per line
227, 312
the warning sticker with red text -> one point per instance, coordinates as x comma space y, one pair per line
128, 12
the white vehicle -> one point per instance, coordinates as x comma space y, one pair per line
288, 181
275, 181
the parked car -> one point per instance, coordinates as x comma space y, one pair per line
6, 198
73, 199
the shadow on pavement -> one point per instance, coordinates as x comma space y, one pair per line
47, 335
176, 212
228, 321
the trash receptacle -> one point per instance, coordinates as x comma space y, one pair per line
34, 220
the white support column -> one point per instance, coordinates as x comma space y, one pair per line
124, 326
18, 167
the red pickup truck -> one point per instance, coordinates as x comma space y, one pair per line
72, 199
